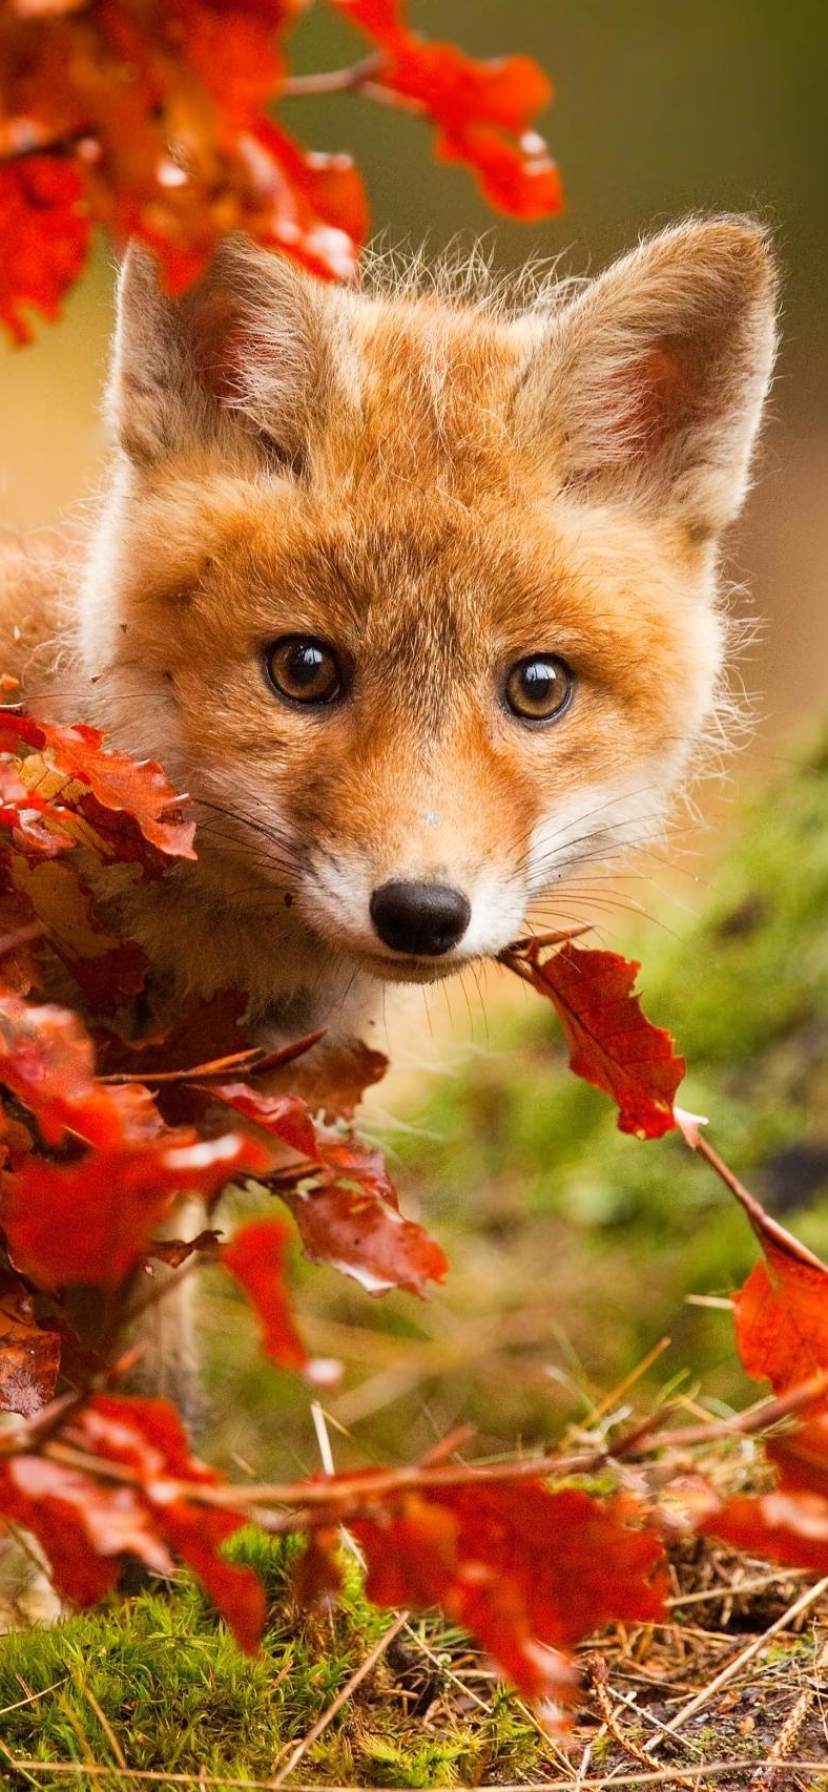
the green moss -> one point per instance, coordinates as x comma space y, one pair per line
159, 1682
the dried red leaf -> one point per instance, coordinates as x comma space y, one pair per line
256, 1257
611, 1043
45, 230
86, 1523
29, 1353
781, 1313
346, 1210
92, 1219
138, 789
527, 1571
485, 111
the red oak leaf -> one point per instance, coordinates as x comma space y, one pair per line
45, 231
91, 1220
86, 1522
347, 1210
47, 1060
611, 1043
527, 1571
256, 1257
148, 1437
139, 789
781, 1313
352, 1220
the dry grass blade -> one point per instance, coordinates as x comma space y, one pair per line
600, 1685
766, 1776
341, 1699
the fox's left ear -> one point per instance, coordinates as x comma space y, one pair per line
648, 387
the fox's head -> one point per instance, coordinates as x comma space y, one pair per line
415, 594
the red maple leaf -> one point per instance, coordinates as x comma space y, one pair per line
611, 1043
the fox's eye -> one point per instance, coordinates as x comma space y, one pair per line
539, 688
304, 670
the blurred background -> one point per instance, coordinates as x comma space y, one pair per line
575, 1249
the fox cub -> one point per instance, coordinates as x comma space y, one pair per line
415, 593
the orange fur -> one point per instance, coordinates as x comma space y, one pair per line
438, 487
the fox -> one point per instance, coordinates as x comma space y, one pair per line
413, 586
416, 594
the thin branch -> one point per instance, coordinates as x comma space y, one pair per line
335, 80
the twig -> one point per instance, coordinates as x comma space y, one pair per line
334, 80
599, 1678
341, 1699
810, 1597
791, 1729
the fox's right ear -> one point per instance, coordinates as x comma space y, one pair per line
242, 350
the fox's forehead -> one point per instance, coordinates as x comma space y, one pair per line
429, 397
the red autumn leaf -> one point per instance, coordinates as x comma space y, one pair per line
352, 1220
107, 972
24, 811
204, 1028
29, 1353
45, 231
47, 1061
312, 206
781, 1313
519, 179
256, 1257
801, 1457
139, 789
485, 111
91, 1220
83, 1525
333, 1082
784, 1527
86, 1523
611, 1043
527, 1571
348, 1215
148, 1436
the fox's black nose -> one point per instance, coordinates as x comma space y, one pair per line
420, 919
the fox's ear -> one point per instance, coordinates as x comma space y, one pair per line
241, 350
648, 387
